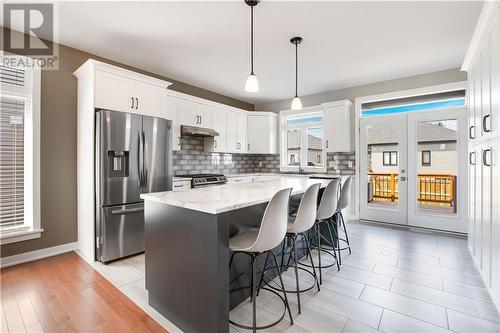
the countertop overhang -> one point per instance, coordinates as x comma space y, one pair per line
223, 198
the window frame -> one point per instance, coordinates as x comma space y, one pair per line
426, 164
390, 152
284, 127
30, 93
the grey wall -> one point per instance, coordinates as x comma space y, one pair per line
412, 82
58, 148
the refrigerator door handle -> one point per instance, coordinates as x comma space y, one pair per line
144, 161
126, 211
140, 159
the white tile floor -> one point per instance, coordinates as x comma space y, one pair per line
394, 281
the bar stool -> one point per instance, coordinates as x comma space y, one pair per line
255, 242
304, 221
343, 202
326, 210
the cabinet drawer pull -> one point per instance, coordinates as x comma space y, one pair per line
472, 158
472, 136
132, 105
177, 186
486, 154
486, 128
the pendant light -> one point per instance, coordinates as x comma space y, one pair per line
252, 83
296, 102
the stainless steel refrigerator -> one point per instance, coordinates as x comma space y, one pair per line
133, 155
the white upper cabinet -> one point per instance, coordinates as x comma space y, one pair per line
120, 93
494, 121
196, 114
114, 92
241, 132
188, 114
219, 124
172, 113
149, 99
236, 132
337, 126
262, 134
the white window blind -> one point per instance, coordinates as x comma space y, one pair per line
12, 76
11, 161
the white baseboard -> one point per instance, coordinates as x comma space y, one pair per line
38, 254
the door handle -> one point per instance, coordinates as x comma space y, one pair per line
127, 211
472, 128
136, 103
471, 160
487, 161
485, 129
132, 105
140, 156
144, 162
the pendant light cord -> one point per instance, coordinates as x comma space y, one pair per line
296, 68
251, 38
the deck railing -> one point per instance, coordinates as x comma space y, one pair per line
435, 190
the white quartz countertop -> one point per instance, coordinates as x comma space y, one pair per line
223, 198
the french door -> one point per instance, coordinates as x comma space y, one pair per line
413, 169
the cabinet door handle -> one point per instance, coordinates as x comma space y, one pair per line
201, 120
136, 103
132, 105
472, 158
486, 161
179, 142
215, 143
326, 143
248, 147
472, 128
486, 128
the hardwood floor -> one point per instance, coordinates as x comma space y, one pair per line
65, 294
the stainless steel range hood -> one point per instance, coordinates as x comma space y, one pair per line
198, 131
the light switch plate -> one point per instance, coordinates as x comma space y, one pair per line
331, 164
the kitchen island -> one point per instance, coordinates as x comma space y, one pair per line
187, 247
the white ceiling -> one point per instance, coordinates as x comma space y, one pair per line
207, 43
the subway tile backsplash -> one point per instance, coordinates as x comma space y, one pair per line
192, 159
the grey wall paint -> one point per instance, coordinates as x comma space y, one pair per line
58, 148
412, 82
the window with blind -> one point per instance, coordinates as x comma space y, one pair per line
19, 160
11, 161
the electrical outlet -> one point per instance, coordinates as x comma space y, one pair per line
350, 164
331, 164
260, 164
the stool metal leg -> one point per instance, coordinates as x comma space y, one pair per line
283, 287
332, 241
262, 276
294, 238
311, 258
345, 232
254, 301
319, 252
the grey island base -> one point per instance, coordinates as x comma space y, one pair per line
187, 248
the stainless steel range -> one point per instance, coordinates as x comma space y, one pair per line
205, 180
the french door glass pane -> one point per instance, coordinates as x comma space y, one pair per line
437, 166
383, 165
315, 147
293, 142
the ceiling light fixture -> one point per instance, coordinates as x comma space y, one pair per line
252, 83
296, 102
